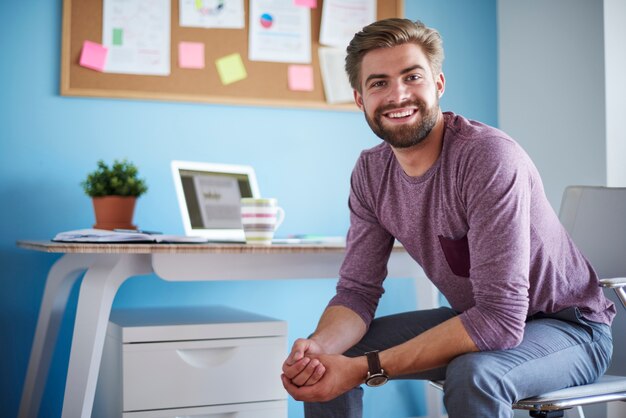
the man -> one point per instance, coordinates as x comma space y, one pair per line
527, 315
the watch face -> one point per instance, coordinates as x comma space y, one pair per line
376, 380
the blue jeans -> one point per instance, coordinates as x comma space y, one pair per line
557, 351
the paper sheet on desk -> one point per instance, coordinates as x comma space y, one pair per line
102, 235
310, 239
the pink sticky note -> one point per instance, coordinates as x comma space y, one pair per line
93, 56
300, 77
191, 55
306, 3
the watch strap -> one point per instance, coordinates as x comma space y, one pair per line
373, 362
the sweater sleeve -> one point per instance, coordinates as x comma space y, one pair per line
368, 248
496, 184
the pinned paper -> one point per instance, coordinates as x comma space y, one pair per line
93, 56
300, 77
212, 14
137, 34
337, 87
312, 4
191, 55
341, 19
231, 68
279, 31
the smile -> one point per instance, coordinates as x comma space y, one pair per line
399, 114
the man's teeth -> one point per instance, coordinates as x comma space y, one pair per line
402, 114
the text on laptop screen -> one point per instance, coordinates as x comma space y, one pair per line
213, 199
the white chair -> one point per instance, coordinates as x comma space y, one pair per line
595, 218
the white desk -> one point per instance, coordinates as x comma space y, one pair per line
107, 266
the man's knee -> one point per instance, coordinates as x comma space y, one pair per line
474, 375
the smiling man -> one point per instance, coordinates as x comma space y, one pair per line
527, 315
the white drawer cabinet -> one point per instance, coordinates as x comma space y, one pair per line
270, 409
213, 362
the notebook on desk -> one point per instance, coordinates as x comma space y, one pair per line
209, 198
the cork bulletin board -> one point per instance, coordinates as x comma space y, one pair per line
265, 85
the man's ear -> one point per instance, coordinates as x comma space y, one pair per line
440, 81
358, 99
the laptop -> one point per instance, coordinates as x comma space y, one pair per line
209, 198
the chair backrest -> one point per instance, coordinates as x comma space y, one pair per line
595, 218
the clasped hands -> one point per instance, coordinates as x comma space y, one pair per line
310, 375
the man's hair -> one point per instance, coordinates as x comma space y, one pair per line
388, 33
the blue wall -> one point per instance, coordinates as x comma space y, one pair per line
48, 143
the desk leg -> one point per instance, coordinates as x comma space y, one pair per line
62, 276
427, 297
97, 292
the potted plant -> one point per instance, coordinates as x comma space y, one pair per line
114, 191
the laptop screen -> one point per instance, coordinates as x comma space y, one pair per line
209, 198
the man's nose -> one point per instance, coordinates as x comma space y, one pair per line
398, 93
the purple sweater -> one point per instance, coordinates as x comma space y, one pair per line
479, 224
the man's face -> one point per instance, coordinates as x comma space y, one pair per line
399, 94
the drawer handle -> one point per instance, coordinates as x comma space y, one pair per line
206, 357
218, 415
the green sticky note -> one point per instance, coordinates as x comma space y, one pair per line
231, 69
117, 36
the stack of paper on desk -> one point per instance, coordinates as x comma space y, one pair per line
102, 235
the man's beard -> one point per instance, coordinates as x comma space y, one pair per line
405, 136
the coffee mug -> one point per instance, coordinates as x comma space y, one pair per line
260, 217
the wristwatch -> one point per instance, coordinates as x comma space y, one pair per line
376, 375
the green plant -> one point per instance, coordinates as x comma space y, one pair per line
121, 179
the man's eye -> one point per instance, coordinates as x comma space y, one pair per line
414, 77
379, 83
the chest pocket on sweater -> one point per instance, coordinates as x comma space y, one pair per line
457, 254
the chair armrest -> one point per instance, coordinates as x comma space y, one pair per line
613, 282
437, 384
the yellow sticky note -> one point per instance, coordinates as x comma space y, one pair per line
231, 68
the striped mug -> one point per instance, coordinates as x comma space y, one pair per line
260, 217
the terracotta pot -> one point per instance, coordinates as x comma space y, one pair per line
114, 212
